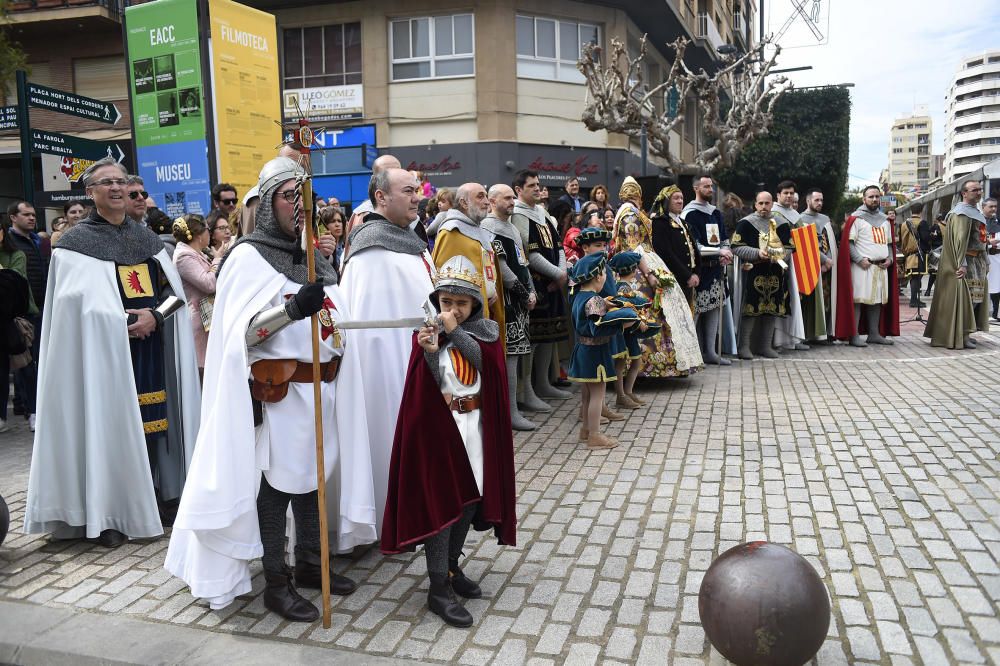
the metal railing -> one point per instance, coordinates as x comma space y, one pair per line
114, 7
708, 31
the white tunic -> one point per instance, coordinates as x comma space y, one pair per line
90, 466
380, 284
993, 277
871, 286
216, 533
455, 372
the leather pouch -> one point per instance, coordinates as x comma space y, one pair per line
270, 379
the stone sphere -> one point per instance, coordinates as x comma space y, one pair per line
4, 519
762, 604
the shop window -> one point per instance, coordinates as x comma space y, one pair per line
432, 47
550, 48
318, 56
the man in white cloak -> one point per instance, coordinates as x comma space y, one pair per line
790, 332
388, 275
248, 468
118, 393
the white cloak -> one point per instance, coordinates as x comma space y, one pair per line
380, 284
216, 533
90, 466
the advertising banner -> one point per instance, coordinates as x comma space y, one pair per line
325, 103
246, 88
167, 102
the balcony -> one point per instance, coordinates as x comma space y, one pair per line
708, 31
26, 12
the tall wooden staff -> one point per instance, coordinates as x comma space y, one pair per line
303, 136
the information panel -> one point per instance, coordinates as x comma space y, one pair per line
247, 96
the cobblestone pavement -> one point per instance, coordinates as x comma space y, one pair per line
879, 465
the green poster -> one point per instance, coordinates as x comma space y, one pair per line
165, 72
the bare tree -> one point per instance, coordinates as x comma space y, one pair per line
736, 102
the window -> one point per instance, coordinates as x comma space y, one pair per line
320, 56
102, 78
549, 48
432, 47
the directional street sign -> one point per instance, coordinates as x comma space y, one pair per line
72, 104
8, 117
71, 146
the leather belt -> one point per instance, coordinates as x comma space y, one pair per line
466, 404
593, 342
973, 253
272, 376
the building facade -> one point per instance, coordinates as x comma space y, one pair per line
459, 91
972, 126
910, 161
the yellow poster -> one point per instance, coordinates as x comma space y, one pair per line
247, 91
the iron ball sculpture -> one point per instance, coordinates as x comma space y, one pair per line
4, 519
762, 604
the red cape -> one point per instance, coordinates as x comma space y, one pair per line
430, 478
889, 321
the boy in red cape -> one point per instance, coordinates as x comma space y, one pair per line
850, 326
452, 463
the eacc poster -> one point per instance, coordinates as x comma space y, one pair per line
246, 91
167, 103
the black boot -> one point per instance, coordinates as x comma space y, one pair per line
111, 538
281, 597
308, 573
442, 602
463, 586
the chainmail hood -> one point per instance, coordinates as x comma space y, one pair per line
376, 231
271, 243
127, 243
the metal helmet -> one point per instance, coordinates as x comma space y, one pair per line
459, 275
276, 172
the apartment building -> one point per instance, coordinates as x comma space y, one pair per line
972, 125
910, 160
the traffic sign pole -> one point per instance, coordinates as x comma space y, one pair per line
27, 168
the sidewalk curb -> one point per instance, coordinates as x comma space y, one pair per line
32, 634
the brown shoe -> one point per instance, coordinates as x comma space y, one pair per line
604, 420
610, 415
636, 399
597, 442
626, 402
584, 435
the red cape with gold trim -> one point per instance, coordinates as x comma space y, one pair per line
889, 321
430, 478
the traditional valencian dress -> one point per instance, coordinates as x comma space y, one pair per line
674, 352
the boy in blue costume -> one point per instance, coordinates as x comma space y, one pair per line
593, 240
624, 265
596, 325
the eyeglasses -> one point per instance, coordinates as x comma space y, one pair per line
135, 195
289, 195
108, 182
974, 189
227, 202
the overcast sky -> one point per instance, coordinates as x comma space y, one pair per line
897, 53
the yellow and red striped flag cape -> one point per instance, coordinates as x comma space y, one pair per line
465, 371
806, 258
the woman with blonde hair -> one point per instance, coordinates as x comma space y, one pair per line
197, 274
439, 204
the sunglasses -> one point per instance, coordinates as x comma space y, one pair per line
140, 193
227, 202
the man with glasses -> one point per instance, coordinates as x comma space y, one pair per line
135, 204
960, 307
118, 389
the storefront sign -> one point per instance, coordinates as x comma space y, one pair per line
326, 103
555, 164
